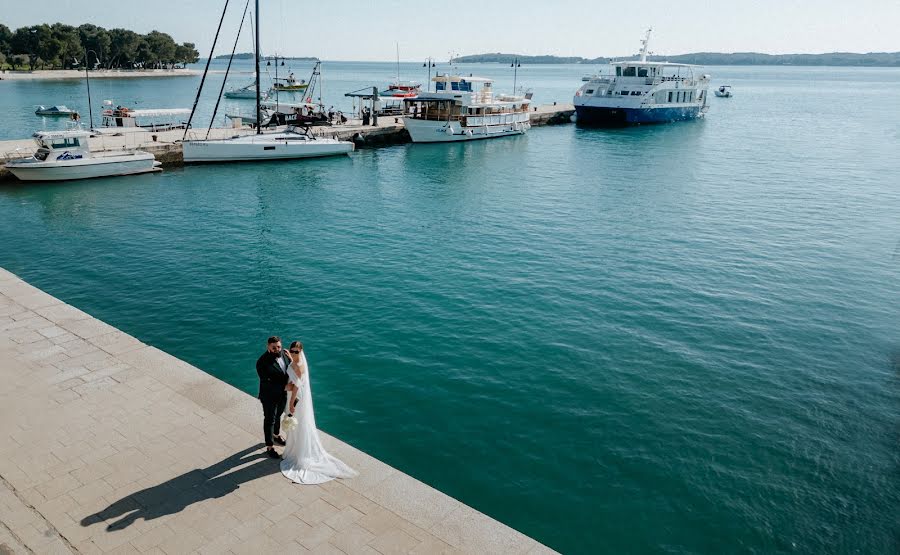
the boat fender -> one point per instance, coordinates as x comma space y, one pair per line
448, 130
358, 138
469, 132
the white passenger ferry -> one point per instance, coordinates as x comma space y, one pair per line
463, 109
636, 92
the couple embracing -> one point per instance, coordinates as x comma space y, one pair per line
281, 373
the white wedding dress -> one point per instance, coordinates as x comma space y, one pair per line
305, 459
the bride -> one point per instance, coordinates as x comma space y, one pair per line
305, 459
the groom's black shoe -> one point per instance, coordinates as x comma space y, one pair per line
278, 441
273, 453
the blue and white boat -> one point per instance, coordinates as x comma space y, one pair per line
638, 91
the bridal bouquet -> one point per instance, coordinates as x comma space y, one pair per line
288, 422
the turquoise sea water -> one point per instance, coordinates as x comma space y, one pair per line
677, 338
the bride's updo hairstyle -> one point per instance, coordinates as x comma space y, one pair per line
296, 345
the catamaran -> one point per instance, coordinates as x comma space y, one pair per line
293, 143
462, 109
641, 91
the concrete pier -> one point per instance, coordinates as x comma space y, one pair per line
108, 445
166, 145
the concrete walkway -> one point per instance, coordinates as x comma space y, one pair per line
108, 445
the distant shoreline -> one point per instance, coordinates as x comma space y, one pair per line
830, 59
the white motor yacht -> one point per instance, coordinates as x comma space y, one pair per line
463, 109
63, 155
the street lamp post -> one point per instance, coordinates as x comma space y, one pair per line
87, 78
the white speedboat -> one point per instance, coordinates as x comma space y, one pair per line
639, 91
291, 144
60, 110
463, 109
63, 155
724, 91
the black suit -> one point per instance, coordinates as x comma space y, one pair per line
272, 394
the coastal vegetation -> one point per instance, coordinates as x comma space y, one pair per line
60, 46
871, 59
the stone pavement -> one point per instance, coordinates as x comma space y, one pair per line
108, 445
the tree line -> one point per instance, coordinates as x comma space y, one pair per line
60, 46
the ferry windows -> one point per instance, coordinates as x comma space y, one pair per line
440, 86
624, 93
589, 91
629, 72
642, 72
618, 71
670, 96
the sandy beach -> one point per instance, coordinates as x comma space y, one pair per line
99, 74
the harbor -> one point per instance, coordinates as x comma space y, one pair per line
331, 280
166, 146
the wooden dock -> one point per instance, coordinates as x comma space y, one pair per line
166, 145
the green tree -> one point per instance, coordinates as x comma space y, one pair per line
162, 46
186, 53
5, 41
96, 39
28, 41
123, 47
68, 44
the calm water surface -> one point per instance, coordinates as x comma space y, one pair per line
679, 338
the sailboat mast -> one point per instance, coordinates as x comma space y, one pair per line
256, 58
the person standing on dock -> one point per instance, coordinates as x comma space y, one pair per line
273, 379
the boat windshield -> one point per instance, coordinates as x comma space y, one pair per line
59, 142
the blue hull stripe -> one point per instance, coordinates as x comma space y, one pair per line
592, 115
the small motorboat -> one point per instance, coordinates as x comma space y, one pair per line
724, 91
64, 155
247, 93
60, 110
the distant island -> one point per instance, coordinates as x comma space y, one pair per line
871, 59
249, 56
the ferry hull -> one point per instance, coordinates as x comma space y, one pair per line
612, 117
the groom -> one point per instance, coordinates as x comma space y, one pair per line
272, 369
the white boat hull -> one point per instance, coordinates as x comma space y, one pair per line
263, 147
84, 168
429, 131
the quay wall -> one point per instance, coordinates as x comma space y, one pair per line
108, 445
166, 145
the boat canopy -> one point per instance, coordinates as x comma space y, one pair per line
67, 134
151, 113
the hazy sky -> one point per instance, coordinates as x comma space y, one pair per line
368, 29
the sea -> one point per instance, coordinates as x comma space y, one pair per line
681, 338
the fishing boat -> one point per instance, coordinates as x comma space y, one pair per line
64, 155
403, 89
294, 143
724, 91
463, 109
60, 110
641, 91
289, 84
